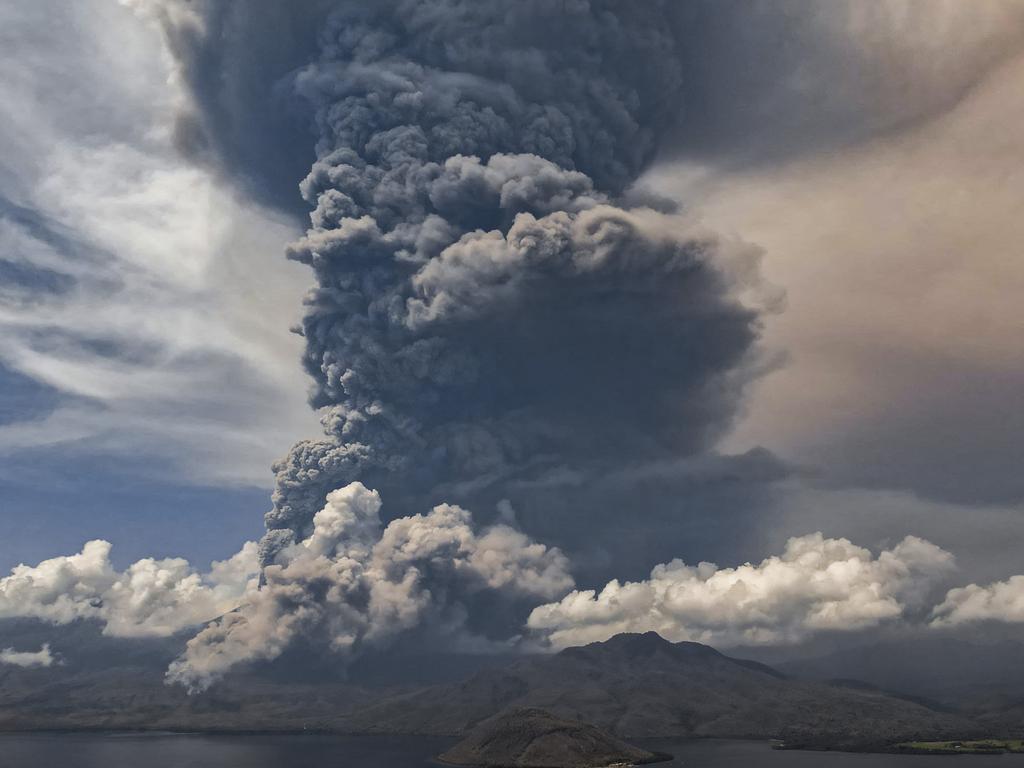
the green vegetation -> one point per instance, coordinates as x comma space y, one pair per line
977, 747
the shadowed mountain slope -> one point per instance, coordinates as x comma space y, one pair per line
632, 686
644, 686
967, 676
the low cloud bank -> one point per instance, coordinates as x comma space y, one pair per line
149, 598
1001, 601
815, 584
438, 579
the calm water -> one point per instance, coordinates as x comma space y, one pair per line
187, 751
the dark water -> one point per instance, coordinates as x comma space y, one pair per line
195, 751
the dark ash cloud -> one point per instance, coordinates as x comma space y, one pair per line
485, 310
497, 319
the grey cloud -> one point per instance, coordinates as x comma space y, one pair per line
755, 78
772, 79
232, 60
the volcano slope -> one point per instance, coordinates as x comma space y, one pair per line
642, 686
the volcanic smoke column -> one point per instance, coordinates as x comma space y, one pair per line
487, 310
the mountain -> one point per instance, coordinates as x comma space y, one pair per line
534, 738
632, 686
638, 686
955, 673
107, 683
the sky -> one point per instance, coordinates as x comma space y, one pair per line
137, 286
460, 326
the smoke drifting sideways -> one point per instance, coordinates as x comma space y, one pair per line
498, 320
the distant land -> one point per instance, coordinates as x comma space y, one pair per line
631, 687
642, 686
982, 681
979, 747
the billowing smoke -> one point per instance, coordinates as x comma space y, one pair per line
498, 319
488, 311
354, 582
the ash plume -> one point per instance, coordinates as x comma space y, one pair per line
487, 310
498, 319
355, 583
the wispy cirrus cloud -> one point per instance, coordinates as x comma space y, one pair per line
146, 296
150, 597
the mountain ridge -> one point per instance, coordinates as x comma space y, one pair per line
642, 686
632, 685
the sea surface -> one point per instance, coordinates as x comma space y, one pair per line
318, 751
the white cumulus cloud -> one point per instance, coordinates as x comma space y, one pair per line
28, 659
1000, 601
815, 584
149, 598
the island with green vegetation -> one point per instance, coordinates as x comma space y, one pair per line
975, 747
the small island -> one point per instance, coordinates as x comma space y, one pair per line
975, 747
535, 738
